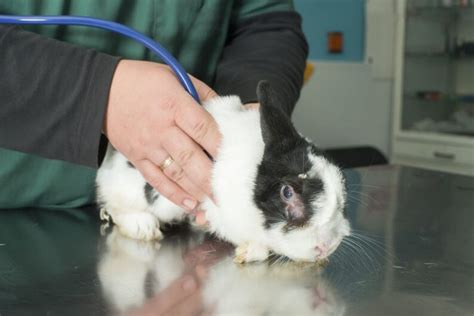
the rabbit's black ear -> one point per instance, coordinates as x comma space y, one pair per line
276, 125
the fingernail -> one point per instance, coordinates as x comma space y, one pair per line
201, 219
189, 204
189, 284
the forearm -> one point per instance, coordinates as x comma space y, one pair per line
269, 47
53, 96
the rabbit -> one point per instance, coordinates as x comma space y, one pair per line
275, 191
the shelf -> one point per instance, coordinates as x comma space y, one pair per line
445, 15
438, 9
443, 99
434, 138
469, 134
438, 55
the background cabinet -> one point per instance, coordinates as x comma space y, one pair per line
434, 85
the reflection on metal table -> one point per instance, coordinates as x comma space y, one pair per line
412, 253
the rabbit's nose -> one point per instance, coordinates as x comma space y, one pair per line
321, 250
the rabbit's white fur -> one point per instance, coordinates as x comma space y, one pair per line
235, 172
121, 188
237, 219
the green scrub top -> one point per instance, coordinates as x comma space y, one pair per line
194, 31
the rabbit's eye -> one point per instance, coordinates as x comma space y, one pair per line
286, 192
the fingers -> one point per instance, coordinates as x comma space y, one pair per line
175, 173
201, 218
190, 157
177, 293
172, 168
193, 305
204, 91
155, 177
252, 106
196, 122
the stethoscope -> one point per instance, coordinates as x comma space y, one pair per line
155, 47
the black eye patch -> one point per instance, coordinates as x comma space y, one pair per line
284, 165
281, 205
311, 188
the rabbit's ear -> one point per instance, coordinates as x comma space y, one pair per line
276, 125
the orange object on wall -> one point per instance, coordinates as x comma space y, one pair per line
335, 42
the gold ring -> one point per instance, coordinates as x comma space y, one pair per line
166, 163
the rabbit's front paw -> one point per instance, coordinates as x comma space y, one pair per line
249, 252
139, 225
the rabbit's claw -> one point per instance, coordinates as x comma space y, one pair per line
104, 216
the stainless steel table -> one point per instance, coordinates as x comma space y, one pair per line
412, 254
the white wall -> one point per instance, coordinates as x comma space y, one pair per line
343, 106
349, 104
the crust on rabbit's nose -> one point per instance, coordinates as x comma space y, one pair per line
320, 251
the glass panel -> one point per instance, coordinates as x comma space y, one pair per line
438, 86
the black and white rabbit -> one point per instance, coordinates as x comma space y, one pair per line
275, 190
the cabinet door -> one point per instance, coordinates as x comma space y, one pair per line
438, 77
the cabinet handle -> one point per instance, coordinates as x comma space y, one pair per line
442, 155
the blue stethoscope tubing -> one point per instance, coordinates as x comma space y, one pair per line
155, 47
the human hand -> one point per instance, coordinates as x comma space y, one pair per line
184, 295
181, 297
150, 117
252, 106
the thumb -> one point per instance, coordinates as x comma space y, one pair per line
204, 91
